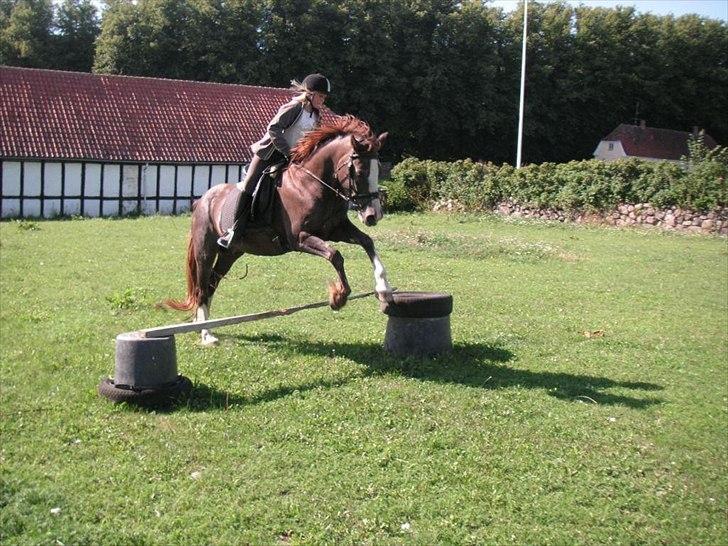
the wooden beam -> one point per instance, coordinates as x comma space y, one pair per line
163, 331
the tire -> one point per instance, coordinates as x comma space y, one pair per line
418, 305
169, 393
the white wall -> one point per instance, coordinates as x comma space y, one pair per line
51, 188
604, 152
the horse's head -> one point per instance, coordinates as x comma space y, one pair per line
354, 151
363, 175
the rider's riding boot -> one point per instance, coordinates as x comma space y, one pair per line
241, 219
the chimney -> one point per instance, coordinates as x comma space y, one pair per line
643, 124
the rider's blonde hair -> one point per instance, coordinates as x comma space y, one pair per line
304, 94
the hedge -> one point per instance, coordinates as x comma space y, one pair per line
697, 183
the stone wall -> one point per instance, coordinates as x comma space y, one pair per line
641, 214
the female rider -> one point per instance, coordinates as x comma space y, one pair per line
292, 121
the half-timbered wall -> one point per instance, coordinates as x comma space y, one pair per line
47, 189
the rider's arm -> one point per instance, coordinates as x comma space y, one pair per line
286, 116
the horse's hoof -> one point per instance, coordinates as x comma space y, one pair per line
338, 295
338, 301
209, 340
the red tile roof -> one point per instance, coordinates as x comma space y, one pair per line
654, 143
73, 115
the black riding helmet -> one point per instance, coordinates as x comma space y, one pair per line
317, 82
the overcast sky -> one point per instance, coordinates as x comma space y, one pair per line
715, 9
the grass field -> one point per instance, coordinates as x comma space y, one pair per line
585, 400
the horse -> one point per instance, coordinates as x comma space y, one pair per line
333, 168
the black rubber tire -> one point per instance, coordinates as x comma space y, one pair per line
179, 389
418, 305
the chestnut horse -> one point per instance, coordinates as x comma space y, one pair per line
333, 168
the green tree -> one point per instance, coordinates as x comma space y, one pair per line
224, 39
187, 39
25, 33
77, 26
463, 96
692, 87
146, 38
298, 37
552, 118
122, 45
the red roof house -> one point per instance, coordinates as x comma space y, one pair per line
647, 143
92, 144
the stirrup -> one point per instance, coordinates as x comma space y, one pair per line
226, 239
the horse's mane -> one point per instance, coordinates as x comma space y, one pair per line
340, 126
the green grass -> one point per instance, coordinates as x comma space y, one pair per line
300, 430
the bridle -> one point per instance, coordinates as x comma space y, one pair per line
355, 199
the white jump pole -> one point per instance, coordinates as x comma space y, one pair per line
163, 331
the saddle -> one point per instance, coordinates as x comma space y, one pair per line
261, 211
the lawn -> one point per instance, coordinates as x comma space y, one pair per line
584, 402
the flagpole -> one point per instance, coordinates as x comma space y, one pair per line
523, 85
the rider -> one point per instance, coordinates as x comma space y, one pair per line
292, 121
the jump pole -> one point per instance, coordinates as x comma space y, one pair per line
184, 327
146, 360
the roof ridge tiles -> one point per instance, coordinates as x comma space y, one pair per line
137, 77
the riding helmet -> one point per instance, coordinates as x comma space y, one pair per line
317, 82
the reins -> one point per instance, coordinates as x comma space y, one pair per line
353, 199
333, 189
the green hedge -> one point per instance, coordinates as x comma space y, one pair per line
698, 183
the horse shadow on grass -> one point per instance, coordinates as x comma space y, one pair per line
475, 365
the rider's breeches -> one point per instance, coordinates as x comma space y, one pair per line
255, 169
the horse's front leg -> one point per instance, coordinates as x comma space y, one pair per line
349, 233
338, 292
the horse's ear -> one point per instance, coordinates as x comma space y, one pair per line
382, 138
358, 146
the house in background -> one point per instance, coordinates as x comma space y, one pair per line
647, 143
74, 143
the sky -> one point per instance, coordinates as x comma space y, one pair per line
715, 9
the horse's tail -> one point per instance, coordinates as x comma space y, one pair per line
193, 290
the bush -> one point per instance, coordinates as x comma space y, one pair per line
704, 187
592, 185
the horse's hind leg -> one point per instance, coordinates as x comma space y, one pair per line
223, 263
205, 280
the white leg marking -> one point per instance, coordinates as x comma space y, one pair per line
381, 285
203, 313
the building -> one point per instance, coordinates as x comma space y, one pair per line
99, 145
646, 143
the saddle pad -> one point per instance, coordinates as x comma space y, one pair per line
227, 214
262, 209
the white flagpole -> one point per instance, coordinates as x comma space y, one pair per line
523, 85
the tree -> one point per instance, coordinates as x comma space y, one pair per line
298, 37
208, 40
117, 49
692, 76
77, 27
25, 33
227, 34
442, 76
464, 94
